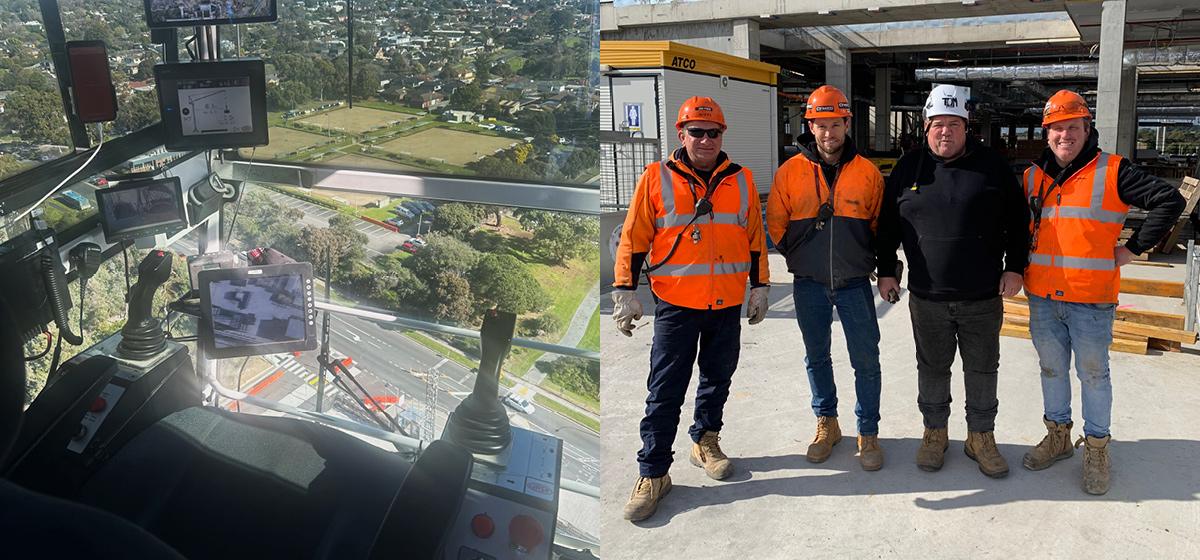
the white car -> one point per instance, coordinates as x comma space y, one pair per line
521, 404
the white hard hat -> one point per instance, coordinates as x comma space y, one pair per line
947, 99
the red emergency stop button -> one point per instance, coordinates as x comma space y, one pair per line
525, 533
99, 405
482, 526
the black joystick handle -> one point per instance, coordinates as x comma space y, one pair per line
480, 422
143, 337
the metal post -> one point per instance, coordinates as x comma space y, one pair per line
1191, 289
324, 357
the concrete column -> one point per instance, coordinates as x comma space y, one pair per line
1012, 136
1029, 133
1160, 141
883, 109
1127, 118
837, 70
1108, 88
745, 39
986, 129
860, 126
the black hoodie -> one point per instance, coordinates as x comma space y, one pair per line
1135, 188
962, 222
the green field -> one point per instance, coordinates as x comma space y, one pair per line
582, 419
285, 141
368, 162
356, 120
591, 338
451, 146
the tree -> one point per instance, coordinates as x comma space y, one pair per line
540, 325
442, 254
537, 123
137, 111
558, 236
266, 223
575, 374
503, 69
37, 116
287, 95
502, 281
455, 219
366, 80
450, 296
466, 97
324, 248
9, 165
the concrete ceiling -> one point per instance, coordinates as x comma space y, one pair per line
1147, 22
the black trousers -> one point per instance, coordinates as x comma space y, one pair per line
973, 327
678, 333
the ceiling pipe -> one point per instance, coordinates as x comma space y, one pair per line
1179, 56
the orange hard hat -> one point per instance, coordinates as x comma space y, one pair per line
700, 109
1065, 105
825, 102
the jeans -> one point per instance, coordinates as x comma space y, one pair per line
855, 305
1059, 328
971, 327
677, 332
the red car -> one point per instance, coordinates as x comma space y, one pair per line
410, 247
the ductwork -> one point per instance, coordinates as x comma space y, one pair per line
1187, 55
1146, 111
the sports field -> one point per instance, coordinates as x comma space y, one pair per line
355, 160
452, 146
285, 140
356, 120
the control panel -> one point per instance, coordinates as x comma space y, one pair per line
510, 511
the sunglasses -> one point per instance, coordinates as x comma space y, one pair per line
701, 132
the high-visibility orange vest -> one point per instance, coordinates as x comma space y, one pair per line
711, 264
1073, 248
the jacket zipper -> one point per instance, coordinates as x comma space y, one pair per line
832, 194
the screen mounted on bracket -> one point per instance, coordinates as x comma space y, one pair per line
209, 105
190, 13
257, 310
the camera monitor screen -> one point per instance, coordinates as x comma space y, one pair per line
257, 310
189, 13
142, 208
213, 104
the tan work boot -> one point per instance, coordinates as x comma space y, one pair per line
981, 448
708, 455
828, 435
1056, 446
870, 456
1095, 464
647, 492
932, 452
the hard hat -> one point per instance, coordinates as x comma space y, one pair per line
827, 101
1065, 105
947, 99
700, 109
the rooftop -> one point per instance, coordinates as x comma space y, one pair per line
777, 505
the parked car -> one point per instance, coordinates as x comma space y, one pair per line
394, 221
410, 247
519, 403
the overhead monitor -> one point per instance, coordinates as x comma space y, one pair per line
208, 105
257, 310
142, 208
190, 13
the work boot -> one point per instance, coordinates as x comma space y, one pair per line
1056, 446
708, 455
981, 448
647, 492
870, 456
932, 452
1095, 464
828, 434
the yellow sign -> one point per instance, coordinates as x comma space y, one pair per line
669, 54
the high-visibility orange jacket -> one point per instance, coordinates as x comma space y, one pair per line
1081, 220
843, 248
717, 252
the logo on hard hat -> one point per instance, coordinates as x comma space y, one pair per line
843, 105
823, 108
703, 108
950, 101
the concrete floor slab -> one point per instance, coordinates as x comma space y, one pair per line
777, 505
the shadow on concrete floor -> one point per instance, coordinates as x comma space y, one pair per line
1145, 470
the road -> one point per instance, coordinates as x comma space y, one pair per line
387, 359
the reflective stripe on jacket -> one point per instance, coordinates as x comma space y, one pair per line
710, 267
1073, 247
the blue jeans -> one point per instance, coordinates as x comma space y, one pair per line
855, 305
683, 339
1059, 328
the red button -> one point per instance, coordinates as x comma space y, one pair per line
525, 533
99, 405
482, 526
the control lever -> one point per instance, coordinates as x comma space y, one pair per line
143, 336
480, 423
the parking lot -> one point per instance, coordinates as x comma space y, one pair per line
379, 240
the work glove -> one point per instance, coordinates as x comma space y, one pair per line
626, 310
756, 309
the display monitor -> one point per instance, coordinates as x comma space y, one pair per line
142, 208
189, 13
208, 105
257, 310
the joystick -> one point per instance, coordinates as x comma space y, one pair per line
480, 423
143, 336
